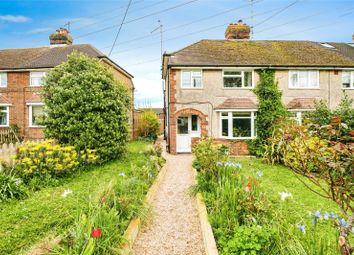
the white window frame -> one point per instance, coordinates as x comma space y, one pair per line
290, 85
190, 71
30, 112
242, 75
3, 85
299, 112
351, 82
229, 117
34, 74
7, 114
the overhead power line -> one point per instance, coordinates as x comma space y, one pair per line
120, 27
275, 14
183, 25
136, 19
191, 33
115, 16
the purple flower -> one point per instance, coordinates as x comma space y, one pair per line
343, 223
302, 228
326, 216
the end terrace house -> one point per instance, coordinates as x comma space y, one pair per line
208, 85
21, 74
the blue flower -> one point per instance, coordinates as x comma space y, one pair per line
343, 223
318, 214
326, 216
302, 228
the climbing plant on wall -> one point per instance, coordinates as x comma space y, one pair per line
270, 110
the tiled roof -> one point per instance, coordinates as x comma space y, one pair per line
347, 49
258, 53
4, 100
237, 103
302, 103
35, 98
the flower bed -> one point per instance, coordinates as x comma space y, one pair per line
251, 211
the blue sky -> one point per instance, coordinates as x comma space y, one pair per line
28, 23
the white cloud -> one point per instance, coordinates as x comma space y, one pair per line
148, 92
39, 30
14, 18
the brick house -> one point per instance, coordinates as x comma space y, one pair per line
208, 85
21, 71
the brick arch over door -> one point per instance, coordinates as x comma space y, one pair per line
202, 118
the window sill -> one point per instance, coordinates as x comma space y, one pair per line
4, 126
36, 126
348, 88
237, 88
237, 138
305, 88
192, 88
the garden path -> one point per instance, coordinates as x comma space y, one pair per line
175, 228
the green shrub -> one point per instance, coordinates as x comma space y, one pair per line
250, 240
148, 125
11, 187
48, 159
86, 107
207, 155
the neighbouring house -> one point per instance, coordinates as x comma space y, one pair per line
208, 84
21, 73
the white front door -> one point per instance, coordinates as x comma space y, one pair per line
187, 127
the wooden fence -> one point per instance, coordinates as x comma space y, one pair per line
8, 152
8, 136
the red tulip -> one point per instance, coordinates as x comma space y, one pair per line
96, 232
248, 187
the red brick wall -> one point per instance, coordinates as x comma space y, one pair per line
236, 147
18, 93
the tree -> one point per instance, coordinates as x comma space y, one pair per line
148, 125
270, 110
86, 107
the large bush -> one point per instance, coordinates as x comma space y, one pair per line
148, 125
86, 107
270, 110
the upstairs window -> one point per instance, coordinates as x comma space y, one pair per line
191, 79
3, 80
348, 79
36, 78
238, 79
304, 79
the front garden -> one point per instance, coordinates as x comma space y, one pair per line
256, 208
107, 196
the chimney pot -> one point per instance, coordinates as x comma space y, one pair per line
239, 30
61, 37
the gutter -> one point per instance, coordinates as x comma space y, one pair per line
262, 66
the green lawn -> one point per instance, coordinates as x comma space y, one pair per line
278, 178
24, 223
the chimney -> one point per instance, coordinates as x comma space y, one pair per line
61, 37
239, 30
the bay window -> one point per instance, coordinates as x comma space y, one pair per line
191, 79
36, 78
348, 79
304, 79
238, 79
238, 124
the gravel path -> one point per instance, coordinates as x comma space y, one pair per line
175, 229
